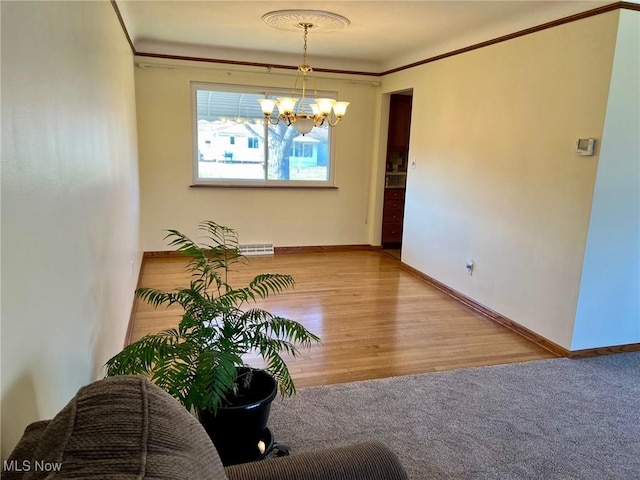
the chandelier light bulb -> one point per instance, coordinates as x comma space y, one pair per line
340, 108
267, 105
287, 105
325, 105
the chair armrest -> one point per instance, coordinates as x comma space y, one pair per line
363, 461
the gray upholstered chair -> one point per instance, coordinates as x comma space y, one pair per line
127, 428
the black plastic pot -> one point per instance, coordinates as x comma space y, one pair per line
239, 429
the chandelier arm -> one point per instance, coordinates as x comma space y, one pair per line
333, 124
269, 119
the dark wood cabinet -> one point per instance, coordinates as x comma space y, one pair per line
392, 216
399, 122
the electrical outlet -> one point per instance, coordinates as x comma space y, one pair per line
470, 266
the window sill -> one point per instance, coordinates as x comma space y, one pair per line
267, 187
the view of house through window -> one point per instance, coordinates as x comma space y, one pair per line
235, 144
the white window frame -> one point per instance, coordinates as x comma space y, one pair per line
265, 182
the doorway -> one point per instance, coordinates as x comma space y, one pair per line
395, 177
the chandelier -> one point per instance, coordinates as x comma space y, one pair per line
323, 110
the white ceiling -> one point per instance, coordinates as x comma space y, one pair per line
382, 34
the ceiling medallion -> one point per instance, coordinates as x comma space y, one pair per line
293, 20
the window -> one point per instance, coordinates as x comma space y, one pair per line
301, 149
235, 145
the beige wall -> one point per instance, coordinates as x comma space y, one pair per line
285, 217
496, 177
70, 248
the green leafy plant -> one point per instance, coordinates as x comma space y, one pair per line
196, 362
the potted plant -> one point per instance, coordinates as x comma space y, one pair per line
201, 362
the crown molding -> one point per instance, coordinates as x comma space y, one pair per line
562, 21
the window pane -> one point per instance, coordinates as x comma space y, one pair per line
298, 157
230, 136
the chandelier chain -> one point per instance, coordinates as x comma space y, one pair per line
305, 67
304, 55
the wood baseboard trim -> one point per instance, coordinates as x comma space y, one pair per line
134, 307
162, 254
306, 249
328, 248
517, 328
491, 314
593, 352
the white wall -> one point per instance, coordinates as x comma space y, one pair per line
608, 310
497, 180
285, 217
70, 208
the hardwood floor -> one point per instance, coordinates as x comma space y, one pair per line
375, 319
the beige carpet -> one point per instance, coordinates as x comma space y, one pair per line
548, 419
